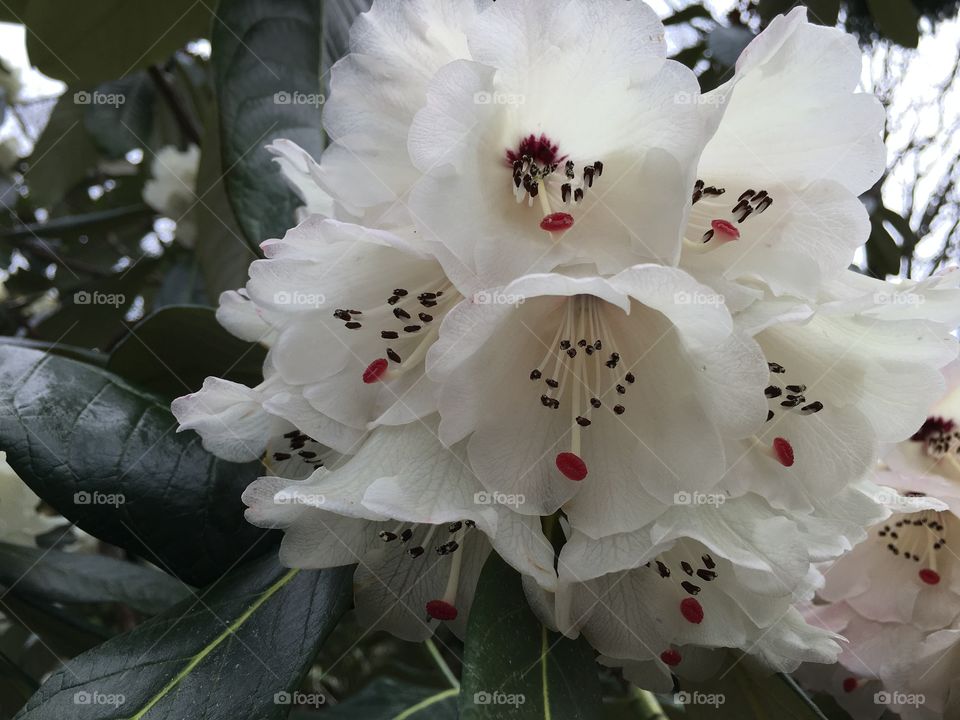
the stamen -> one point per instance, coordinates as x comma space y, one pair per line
930, 577
850, 684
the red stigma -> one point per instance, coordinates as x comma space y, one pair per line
375, 371
850, 684
930, 577
670, 657
571, 466
691, 610
783, 451
557, 222
724, 227
441, 610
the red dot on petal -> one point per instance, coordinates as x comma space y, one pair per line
375, 371
783, 451
671, 657
850, 684
571, 466
557, 222
724, 227
691, 610
441, 610
930, 577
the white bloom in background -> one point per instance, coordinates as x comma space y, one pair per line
406, 510
172, 188
519, 135
20, 519
896, 595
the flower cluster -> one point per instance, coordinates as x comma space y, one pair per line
538, 275
896, 595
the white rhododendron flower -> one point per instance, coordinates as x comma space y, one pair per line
172, 188
519, 136
535, 264
408, 511
20, 518
896, 595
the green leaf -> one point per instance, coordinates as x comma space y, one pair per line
222, 251
235, 651
68, 351
897, 19
515, 667
85, 43
121, 126
388, 699
106, 456
739, 691
63, 155
174, 349
55, 576
264, 96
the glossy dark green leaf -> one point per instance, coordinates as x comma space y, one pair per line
237, 650
264, 96
514, 667
61, 577
897, 20
68, 351
106, 456
120, 126
174, 349
222, 252
87, 43
388, 699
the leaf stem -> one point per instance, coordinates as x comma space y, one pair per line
442, 664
